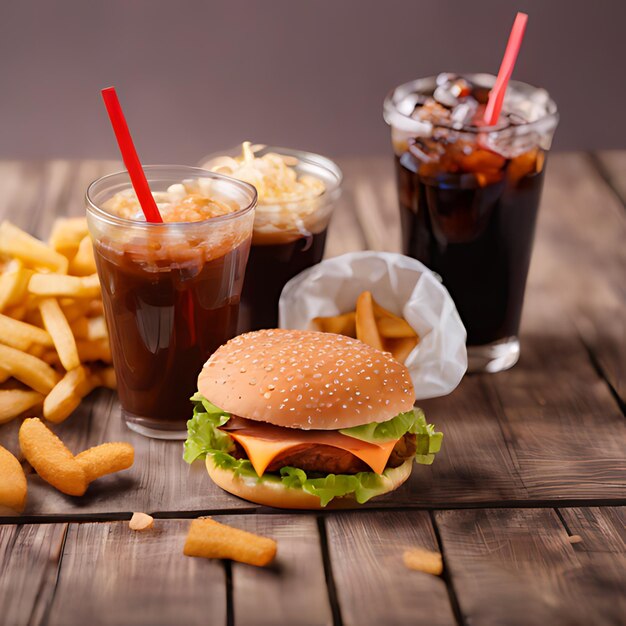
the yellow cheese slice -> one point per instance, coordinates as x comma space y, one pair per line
264, 442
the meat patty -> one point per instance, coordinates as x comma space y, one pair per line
325, 459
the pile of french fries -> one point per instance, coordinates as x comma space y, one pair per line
374, 325
54, 346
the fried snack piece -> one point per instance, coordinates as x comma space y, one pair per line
211, 540
61, 285
57, 325
51, 459
104, 377
98, 350
66, 395
391, 326
28, 369
423, 561
67, 233
13, 284
106, 458
401, 347
97, 328
14, 242
13, 487
339, 324
84, 262
366, 329
141, 521
22, 336
396, 334
14, 402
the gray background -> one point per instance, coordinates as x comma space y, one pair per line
197, 76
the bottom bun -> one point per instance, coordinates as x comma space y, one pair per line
274, 493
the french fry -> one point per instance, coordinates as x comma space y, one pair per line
61, 285
56, 324
14, 402
28, 369
66, 395
80, 328
94, 350
211, 540
366, 329
14, 242
20, 335
37, 350
67, 233
107, 458
84, 262
423, 561
17, 312
394, 327
4, 374
400, 348
339, 324
75, 309
51, 459
13, 487
95, 308
97, 328
104, 377
14, 284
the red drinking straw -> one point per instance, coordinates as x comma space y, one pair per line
496, 97
130, 156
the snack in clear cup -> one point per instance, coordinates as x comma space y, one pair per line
170, 291
469, 196
297, 193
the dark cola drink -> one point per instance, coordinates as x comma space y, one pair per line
297, 194
270, 267
170, 291
469, 198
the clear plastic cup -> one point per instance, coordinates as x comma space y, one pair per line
289, 236
469, 197
170, 291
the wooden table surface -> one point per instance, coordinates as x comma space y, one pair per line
533, 459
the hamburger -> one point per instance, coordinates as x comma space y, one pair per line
303, 419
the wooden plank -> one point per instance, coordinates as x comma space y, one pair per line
613, 164
373, 586
579, 264
292, 590
475, 463
602, 530
564, 431
29, 558
112, 575
517, 566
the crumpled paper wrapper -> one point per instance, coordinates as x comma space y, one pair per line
399, 283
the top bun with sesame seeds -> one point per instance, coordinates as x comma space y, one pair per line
306, 380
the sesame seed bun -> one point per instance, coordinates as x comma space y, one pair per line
306, 379
274, 493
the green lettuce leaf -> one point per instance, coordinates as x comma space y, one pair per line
379, 432
428, 441
204, 438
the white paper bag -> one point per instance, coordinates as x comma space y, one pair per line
404, 286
